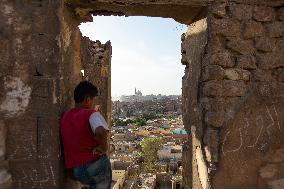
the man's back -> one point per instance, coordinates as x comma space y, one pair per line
84, 135
78, 138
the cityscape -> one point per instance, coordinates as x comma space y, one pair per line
147, 137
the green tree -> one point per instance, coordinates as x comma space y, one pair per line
118, 122
149, 116
140, 121
150, 147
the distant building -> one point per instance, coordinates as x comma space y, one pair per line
118, 178
138, 93
170, 152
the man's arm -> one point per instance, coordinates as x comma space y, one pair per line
102, 135
100, 129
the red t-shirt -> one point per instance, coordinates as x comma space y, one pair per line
78, 138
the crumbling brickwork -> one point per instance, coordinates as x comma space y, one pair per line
193, 47
232, 89
29, 103
41, 63
96, 58
242, 95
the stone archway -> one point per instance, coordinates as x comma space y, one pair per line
232, 88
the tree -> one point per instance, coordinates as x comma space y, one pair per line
140, 121
149, 116
120, 122
150, 147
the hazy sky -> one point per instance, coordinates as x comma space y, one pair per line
145, 53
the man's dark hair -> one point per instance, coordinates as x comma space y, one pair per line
84, 90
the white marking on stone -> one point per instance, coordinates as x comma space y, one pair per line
8, 9
54, 93
66, 35
17, 97
4, 176
276, 113
271, 124
52, 175
236, 149
37, 177
259, 134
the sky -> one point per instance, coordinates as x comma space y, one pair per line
146, 53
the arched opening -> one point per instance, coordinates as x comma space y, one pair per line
184, 14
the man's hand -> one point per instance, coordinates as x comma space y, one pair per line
98, 150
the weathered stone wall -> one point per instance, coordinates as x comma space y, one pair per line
41, 63
193, 49
96, 58
233, 100
29, 97
242, 96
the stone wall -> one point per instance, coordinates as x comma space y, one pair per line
193, 49
242, 93
96, 58
41, 63
29, 97
233, 97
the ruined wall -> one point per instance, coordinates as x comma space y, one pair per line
29, 104
37, 81
96, 58
193, 49
40, 66
233, 98
242, 96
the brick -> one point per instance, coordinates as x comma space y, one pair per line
246, 62
269, 171
245, 47
280, 13
270, 60
214, 119
215, 44
224, 59
263, 14
279, 74
240, 11
271, 89
262, 75
219, 10
226, 27
225, 88
253, 29
222, 104
237, 74
276, 183
265, 44
280, 45
278, 157
213, 72
276, 29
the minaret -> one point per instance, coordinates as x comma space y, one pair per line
135, 91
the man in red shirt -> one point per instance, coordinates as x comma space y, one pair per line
84, 134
